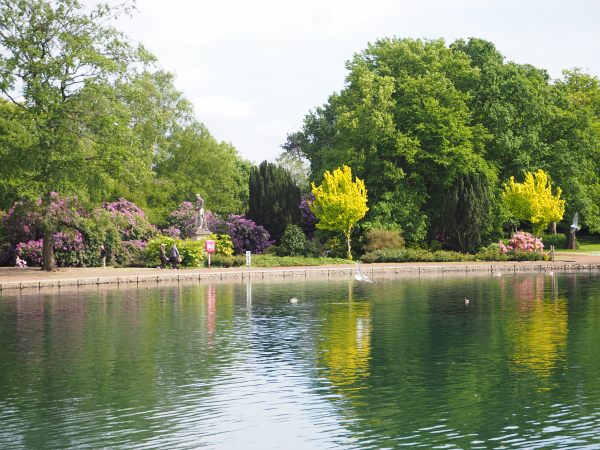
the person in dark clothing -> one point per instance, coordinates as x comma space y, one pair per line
102, 251
163, 256
174, 256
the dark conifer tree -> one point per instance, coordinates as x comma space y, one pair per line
274, 198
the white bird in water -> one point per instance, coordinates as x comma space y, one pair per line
361, 276
466, 301
293, 300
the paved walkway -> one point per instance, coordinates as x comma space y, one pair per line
17, 278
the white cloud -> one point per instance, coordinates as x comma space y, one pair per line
255, 67
222, 107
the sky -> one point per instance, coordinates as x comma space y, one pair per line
254, 69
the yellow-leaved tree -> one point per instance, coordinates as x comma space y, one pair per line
533, 201
339, 202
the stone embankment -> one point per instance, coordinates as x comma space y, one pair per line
12, 279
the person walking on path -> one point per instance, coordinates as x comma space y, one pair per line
102, 251
163, 256
174, 256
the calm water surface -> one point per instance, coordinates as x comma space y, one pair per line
399, 363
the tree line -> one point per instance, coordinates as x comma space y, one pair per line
436, 131
85, 112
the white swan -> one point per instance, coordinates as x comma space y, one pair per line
293, 300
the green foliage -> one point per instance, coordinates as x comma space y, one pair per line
195, 162
422, 255
81, 113
339, 202
226, 261
223, 244
297, 167
334, 247
64, 88
558, 240
467, 212
433, 129
192, 252
274, 198
293, 242
380, 239
289, 261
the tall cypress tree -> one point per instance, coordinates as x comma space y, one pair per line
274, 198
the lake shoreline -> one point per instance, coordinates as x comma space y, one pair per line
13, 278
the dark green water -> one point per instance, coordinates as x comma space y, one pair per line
400, 363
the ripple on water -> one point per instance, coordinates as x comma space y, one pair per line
400, 364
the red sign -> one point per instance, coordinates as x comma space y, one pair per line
209, 246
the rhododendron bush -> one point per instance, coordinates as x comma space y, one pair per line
120, 226
522, 242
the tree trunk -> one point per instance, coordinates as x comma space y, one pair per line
49, 264
553, 227
348, 243
571, 241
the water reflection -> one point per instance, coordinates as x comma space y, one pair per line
344, 344
397, 363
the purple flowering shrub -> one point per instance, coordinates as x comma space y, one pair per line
183, 219
131, 253
68, 248
215, 223
81, 231
246, 235
522, 242
23, 221
173, 232
308, 220
131, 220
31, 252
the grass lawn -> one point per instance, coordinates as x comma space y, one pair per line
587, 244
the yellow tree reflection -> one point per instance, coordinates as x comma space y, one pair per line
345, 344
540, 330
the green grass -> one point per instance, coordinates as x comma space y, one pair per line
290, 261
586, 244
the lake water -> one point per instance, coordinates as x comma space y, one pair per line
399, 363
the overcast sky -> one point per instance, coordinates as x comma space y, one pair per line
253, 69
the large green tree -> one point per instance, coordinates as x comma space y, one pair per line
274, 198
433, 128
59, 65
195, 162
403, 123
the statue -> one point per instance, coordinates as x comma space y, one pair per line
199, 220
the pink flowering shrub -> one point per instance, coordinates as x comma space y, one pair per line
522, 242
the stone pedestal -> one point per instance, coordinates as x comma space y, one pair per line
199, 234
